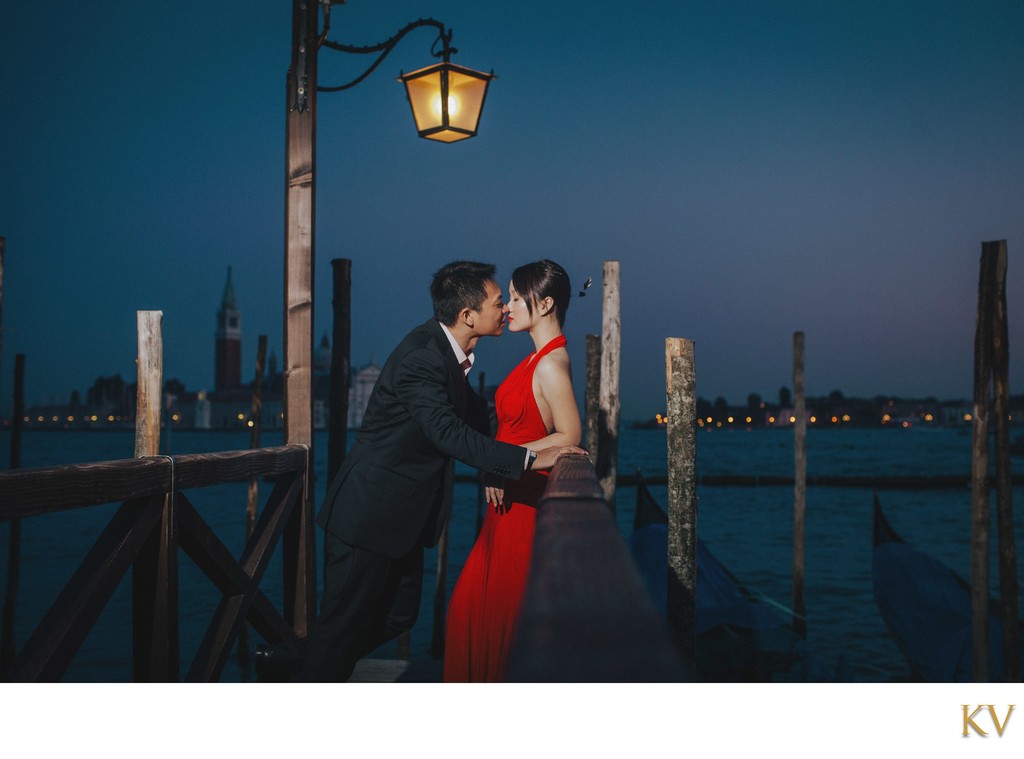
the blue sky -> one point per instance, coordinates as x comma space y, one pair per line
756, 167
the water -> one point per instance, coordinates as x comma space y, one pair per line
748, 528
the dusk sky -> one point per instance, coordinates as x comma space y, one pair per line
757, 168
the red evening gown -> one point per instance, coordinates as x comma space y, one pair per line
484, 606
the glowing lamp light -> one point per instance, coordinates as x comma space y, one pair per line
446, 100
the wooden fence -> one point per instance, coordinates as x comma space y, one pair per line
154, 520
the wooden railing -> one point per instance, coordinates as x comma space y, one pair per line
154, 520
586, 616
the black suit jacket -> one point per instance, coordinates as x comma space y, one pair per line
394, 488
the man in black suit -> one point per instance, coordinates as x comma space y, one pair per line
392, 495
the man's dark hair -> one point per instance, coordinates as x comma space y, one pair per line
459, 285
540, 280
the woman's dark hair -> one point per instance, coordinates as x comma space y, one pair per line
459, 285
543, 279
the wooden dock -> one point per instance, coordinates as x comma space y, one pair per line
397, 671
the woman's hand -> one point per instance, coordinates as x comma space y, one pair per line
496, 498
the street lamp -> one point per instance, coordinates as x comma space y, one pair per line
446, 99
457, 94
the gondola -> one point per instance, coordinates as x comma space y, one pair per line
927, 609
741, 637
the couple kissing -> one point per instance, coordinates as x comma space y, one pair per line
392, 494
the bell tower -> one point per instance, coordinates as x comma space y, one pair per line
228, 359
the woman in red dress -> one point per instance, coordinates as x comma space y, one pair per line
536, 407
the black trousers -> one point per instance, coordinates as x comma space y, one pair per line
368, 599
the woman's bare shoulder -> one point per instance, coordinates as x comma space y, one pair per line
554, 365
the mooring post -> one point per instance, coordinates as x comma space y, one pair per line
155, 629
3, 242
1008, 586
480, 484
611, 341
150, 379
440, 597
256, 419
253, 495
799, 484
18, 410
681, 395
341, 349
980, 482
14, 536
592, 397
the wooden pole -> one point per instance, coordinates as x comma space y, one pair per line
608, 428
150, 370
155, 571
799, 485
1008, 586
300, 202
592, 399
253, 496
681, 395
14, 536
341, 348
18, 410
480, 494
3, 243
256, 415
440, 596
980, 484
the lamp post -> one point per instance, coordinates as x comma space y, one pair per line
446, 101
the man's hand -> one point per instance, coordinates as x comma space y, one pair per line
547, 457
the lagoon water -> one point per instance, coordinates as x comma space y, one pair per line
749, 529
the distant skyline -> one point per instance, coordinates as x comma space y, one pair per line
274, 355
757, 168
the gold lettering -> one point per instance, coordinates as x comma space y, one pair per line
995, 719
969, 720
